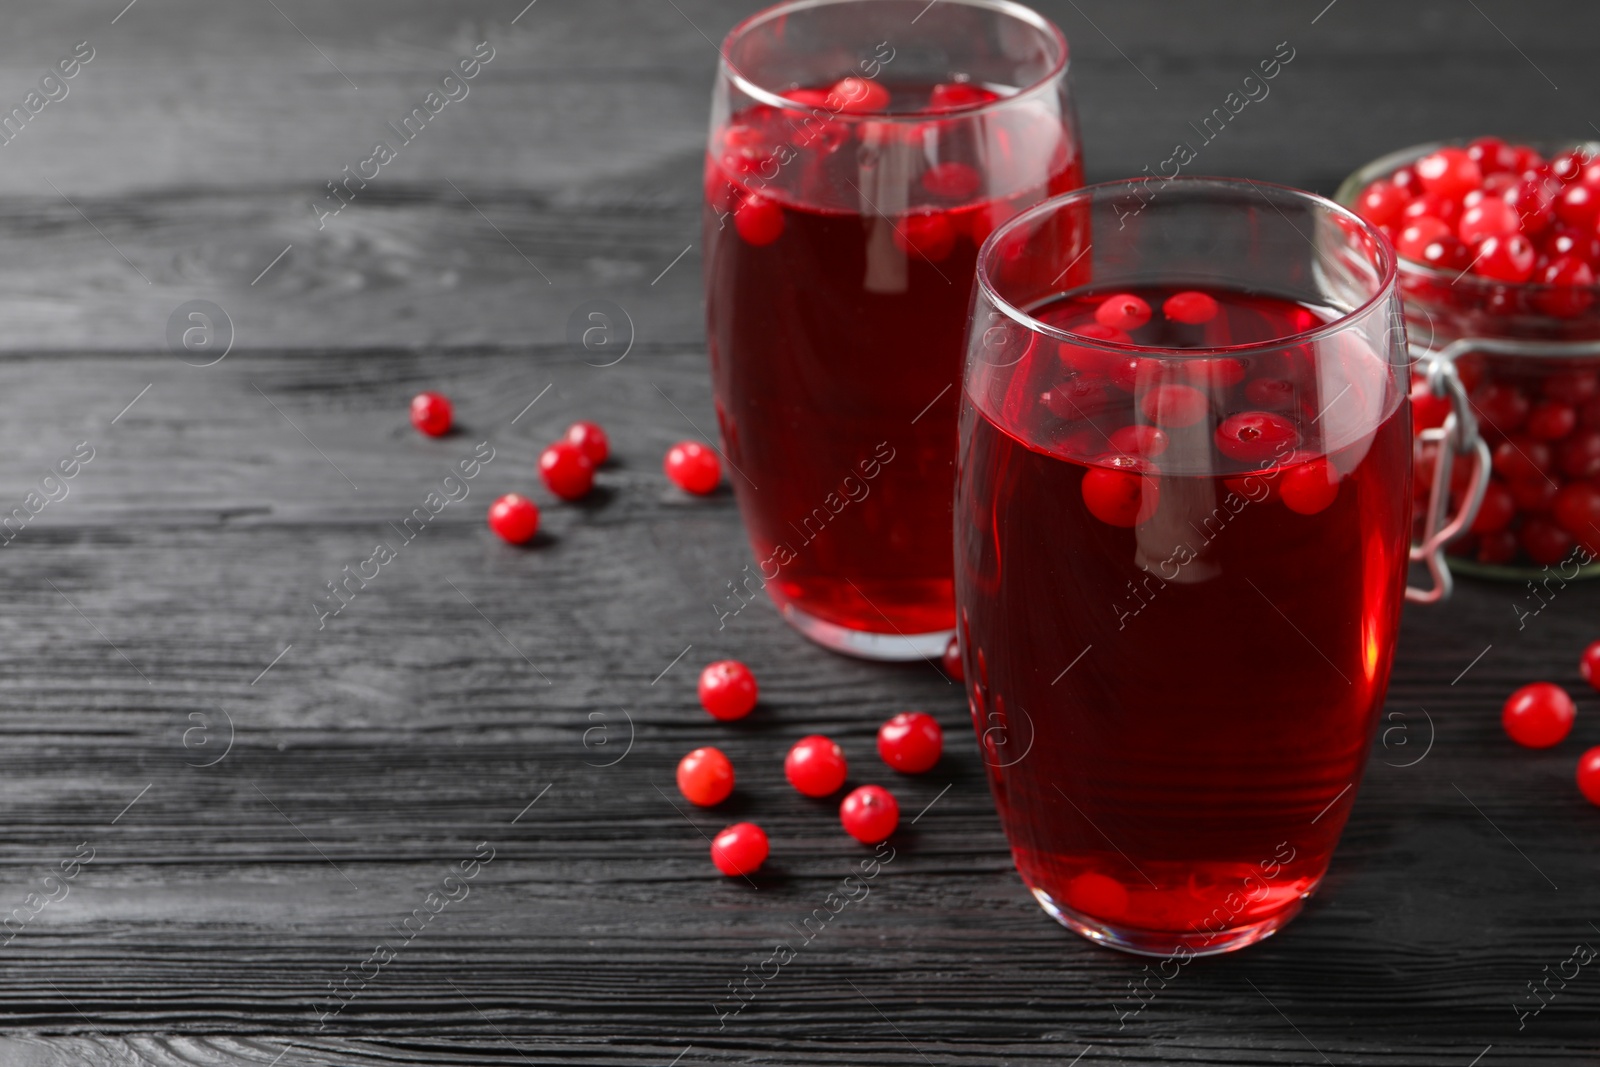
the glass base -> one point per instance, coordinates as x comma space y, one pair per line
1164, 943
893, 648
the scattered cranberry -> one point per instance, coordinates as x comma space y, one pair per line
1254, 436
951, 660
1118, 494
910, 742
1174, 406
815, 766
728, 690
1124, 311
515, 518
1589, 665
592, 439
759, 220
1589, 775
1538, 715
869, 814
566, 470
432, 414
1308, 488
741, 849
693, 467
705, 777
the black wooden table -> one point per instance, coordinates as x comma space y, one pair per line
218, 806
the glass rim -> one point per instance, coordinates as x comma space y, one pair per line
1386, 261
1390, 162
772, 98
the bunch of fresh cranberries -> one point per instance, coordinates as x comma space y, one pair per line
910, 743
1540, 715
567, 466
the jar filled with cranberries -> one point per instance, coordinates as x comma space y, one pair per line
1499, 255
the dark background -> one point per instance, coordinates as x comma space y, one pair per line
472, 680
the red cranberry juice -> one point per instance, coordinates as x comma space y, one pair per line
838, 276
1177, 637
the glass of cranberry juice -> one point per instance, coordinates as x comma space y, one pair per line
860, 152
1182, 520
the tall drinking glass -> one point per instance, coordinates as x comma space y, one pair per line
1182, 527
860, 152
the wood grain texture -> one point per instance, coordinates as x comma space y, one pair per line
172, 592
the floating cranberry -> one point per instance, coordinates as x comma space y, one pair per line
1118, 494
1577, 510
1191, 306
1545, 542
566, 470
869, 814
1579, 455
911, 742
1379, 203
1589, 775
1220, 373
1174, 406
693, 467
815, 766
951, 660
431, 413
1589, 664
1124, 311
927, 235
1503, 407
1490, 216
1419, 234
1506, 257
1255, 436
859, 95
948, 96
1538, 715
705, 777
591, 439
1492, 155
759, 220
1139, 440
740, 849
1308, 488
728, 690
1076, 397
956, 181
1498, 509
1278, 393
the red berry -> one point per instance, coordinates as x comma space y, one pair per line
1571, 386
1075, 398
1579, 455
1174, 405
431, 413
1533, 496
815, 766
705, 777
1545, 543
859, 95
1254, 436
1505, 257
1220, 374
1488, 217
1492, 155
1573, 280
515, 518
1498, 547
951, 660
728, 690
1578, 205
740, 849
1124, 311
1446, 254
1503, 407
1449, 172
869, 814
1520, 459
1577, 509
1427, 411
1118, 494
1194, 307
1419, 234
1565, 241
1568, 166
693, 467
1538, 715
957, 181
1589, 775
591, 439
927, 235
566, 471
1550, 421
1139, 440
910, 742
947, 96
759, 220
1589, 665
1533, 206
1307, 488
1499, 508
1432, 205
1279, 393
1405, 179
1379, 203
